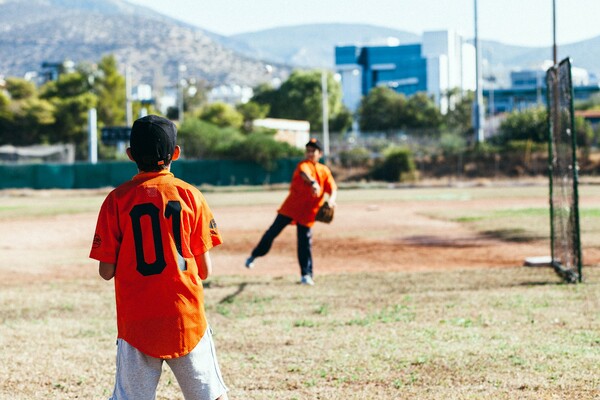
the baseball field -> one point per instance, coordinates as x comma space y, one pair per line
420, 293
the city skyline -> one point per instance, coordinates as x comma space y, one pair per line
515, 22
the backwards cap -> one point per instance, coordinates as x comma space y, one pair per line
313, 142
152, 141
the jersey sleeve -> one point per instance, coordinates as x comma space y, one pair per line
330, 184
107, 236
205, 234
305, 167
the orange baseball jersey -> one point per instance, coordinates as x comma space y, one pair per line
151, 228
300, 204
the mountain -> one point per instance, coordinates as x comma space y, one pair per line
584, 54
313, 45
37, 31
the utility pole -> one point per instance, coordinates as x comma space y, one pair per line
180, 91
92, 136
325, 98
128, 108
478, 103
554, 50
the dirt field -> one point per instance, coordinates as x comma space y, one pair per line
455, 317
372, 231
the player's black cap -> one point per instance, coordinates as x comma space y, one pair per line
152, 141
314, 142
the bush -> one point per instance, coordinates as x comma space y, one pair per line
356, 157
261, 148
398, 165
200, 139
223, 115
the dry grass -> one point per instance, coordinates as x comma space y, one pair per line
507, 333
510, 333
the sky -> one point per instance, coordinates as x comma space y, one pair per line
515, 22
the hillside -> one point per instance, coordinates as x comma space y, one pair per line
313, 45
37, 31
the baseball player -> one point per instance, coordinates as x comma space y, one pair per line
312, 184
153, 236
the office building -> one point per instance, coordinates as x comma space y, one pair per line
441, 62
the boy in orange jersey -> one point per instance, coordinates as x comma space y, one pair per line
311, 182
153, 236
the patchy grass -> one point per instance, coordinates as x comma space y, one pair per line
509, 333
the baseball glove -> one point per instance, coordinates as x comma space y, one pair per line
325, 213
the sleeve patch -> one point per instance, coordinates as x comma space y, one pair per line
97, 241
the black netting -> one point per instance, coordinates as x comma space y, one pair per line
566, 254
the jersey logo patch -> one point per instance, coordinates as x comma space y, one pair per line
213, 227
97, 241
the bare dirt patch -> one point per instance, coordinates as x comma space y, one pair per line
364, 236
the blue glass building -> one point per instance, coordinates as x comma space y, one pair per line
440, 62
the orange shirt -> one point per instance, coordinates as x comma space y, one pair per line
300, 204
152, 227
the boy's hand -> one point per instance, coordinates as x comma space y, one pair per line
316, 189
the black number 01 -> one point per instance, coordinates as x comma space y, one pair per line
173, 212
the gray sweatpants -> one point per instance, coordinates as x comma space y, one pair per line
197, 373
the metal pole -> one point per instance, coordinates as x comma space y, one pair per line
180, 91
325, 98
128, 108
93, 136
478, 106
554, 49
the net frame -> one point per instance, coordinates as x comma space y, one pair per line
563, 174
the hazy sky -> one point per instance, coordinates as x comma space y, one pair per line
517, 22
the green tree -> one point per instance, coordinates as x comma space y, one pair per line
201, 139
300, 97
67, 85
20, 89
32, 120
24, 118
382, 109
109, 86
6, 119
265, 94
530, 124
341, 121
71, 96
252, 111
222, 114
459, 117
422, 112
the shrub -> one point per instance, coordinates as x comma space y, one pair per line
397, 165
261, 148
200, 139
356, 157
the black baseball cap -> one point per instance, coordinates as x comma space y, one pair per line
314, 142
152, 141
